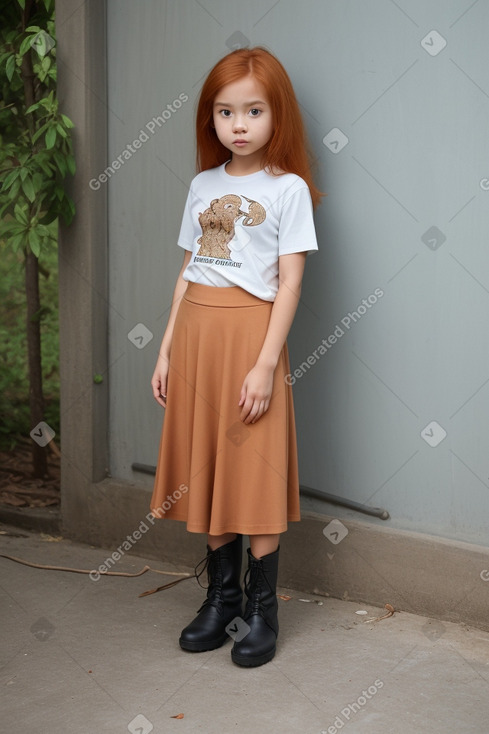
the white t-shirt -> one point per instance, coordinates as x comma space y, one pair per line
238, 226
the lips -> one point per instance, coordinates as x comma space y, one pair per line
239, 142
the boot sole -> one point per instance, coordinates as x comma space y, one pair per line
203, 646
247, 662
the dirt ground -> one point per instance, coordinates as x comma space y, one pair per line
18, 488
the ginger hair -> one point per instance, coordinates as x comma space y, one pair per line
287, 150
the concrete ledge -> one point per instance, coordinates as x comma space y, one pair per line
375, 565
38, 519
414, 572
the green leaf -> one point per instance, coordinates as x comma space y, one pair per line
49, 217
33, 29
20, 214
32, 108
2, 212
71, 164
10, 178
26, 45
14, 190
50, 138
68, 123
61, 130
10, 67
42, 230
37, 182
34, 242
61, 162
17, 241
44, 102
46, 166
28, 189
22, 4
67, 209
39, 132
12, 228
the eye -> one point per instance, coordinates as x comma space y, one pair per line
225, 113
254, 112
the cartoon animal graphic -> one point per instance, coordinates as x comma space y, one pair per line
218, 222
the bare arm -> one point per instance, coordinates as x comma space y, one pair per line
258, 384
160, 375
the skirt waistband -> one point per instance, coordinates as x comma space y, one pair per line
210, 295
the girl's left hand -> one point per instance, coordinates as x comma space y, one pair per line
256, 393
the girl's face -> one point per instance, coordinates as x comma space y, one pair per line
243, 119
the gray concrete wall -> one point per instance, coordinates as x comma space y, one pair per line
410, 173
416, 158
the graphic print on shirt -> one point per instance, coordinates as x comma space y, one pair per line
218, 224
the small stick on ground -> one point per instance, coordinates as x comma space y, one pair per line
390, 612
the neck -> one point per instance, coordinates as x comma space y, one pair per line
244, 166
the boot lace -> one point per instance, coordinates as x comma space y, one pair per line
253, 583
214, 580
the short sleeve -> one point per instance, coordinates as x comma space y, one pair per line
296, 229
187, 228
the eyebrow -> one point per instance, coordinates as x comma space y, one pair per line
245, 104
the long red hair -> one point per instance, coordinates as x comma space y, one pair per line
288, 148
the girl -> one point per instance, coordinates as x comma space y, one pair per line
227, 462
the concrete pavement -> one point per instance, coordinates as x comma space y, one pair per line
80, 656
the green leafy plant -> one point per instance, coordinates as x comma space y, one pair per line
36, 155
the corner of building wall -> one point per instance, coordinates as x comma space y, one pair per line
82, 246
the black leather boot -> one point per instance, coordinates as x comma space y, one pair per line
258, 645
224, 599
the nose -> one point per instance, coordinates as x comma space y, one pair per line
239, 123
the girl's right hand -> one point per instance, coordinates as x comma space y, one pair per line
158, 382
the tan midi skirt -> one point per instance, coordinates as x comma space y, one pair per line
214, 472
